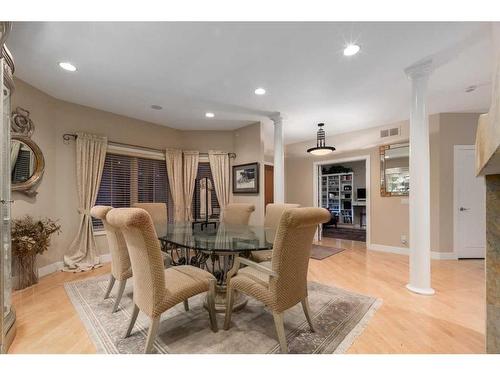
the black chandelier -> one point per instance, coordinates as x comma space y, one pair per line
321, 148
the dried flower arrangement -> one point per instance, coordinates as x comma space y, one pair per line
30, 237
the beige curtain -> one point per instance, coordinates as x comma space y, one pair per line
219, 165
190, 171
203, 198
90, 156
174, 171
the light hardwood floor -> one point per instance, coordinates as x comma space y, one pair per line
452, 321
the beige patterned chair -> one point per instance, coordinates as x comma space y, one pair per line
156, 289
237, 213
281, 283
271, 221
158, 213
121, 270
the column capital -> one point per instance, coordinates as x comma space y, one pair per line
420, 69
276, 117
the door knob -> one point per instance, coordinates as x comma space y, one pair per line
464, 209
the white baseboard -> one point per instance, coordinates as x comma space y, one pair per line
50, 268
390, 249
105, 258
444, 255
406, 251
57, 266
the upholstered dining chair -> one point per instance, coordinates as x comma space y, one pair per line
271, 221
237, 213
121, 269
158, 213
157, 289
281, 283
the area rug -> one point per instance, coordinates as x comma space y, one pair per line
352, 234
319, 252
339, 317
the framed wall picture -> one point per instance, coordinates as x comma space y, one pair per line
246, 178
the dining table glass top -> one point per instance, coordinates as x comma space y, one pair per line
221, 237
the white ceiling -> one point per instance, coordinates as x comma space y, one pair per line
192, 68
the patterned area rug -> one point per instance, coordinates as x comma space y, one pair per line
339, 317
319, 252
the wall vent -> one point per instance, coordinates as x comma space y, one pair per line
394, 131
389, 132
384, 133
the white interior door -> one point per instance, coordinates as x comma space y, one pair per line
469, 211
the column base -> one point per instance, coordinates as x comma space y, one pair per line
423, 291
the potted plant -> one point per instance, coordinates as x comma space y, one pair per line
30, 237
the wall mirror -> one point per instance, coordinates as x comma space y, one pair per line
26, 159
395, 170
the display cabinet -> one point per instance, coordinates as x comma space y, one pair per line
8, 317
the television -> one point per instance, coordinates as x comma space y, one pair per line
361, 194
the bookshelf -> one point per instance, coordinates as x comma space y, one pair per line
337, 195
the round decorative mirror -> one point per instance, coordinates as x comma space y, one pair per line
26, 159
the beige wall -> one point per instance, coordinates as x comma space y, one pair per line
455, 129
57, 197
390, 215
249, 148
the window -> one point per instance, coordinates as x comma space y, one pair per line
129, 179
205, 171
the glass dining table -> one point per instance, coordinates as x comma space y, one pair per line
213, 248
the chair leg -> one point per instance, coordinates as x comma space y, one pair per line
121, 288
153, 330
229, 307
280, 330
307, 313
211, 306
186, 305
110, 286
133, 318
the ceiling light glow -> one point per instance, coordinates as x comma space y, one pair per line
351, 49
67, 66
260, 91
209, 115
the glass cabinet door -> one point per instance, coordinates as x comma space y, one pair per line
7, 316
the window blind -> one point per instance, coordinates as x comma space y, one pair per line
128, 179
205, 171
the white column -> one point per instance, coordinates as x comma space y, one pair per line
279, 159
420, 228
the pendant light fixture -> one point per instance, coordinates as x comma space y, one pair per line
321, 148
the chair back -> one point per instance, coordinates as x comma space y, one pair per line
291, 251
120, 261
237, 213
145, 255
158, 213
274, 212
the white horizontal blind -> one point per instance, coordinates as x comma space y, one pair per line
128, 179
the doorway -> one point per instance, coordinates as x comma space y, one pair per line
469, 209
342, 186
268, 185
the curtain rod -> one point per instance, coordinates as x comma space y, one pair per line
69, 136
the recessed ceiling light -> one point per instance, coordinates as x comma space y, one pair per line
260, 91
67, 66
351, 49
157, 107
209, 115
